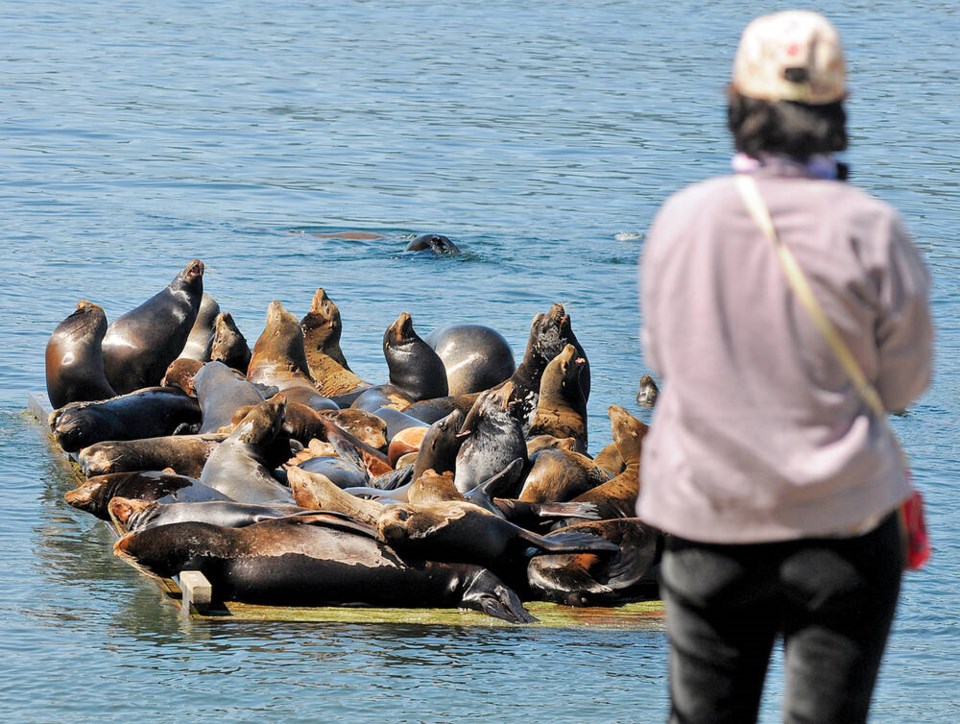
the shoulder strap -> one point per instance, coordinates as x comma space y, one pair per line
747, 187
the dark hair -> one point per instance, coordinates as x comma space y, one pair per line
795, 129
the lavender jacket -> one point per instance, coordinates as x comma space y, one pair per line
758, 434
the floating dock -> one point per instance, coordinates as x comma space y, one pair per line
193, 595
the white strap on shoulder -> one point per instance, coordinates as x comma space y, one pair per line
747, 186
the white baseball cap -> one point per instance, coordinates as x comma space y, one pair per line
794, 55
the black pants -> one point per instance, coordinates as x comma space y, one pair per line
832, 600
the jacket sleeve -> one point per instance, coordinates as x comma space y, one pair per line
904, 332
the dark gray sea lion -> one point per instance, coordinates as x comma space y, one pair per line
397, 420
342, 473
314, 561
317, 492
415, 369
647, 392
437, 243
149, 412
136, 514
461, 532
492, 439
476, 357
93, 495
586, 579
198, 341
558, 475
140, 344
617, 498
74, 358
241, 466
562, 406
221, 391
185, 454
228, 345
440, 445
322, 328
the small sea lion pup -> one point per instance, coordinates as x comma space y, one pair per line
74, 357
140, 344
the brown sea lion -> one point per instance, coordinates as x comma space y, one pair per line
140, 344
433, 487
279, 360
585, 579
322, 328
617, 498
314, 561
406, 441
94, 494
440, 444
241, 466
228, 345
74, 360
180, 374
198, 341
149, 412
185, 454
363, 425
558, 475
462, 532
476, 357
562, 406
303, 423
317, 492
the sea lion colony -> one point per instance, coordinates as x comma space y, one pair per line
462, 480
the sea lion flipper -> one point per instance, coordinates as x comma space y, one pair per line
332, 519
489, 594
570, 541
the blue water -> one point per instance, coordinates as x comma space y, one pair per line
541, 137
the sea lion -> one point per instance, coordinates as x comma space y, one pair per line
397, 420
341, 472
93, 495
461, 532
134, 514
140, 344
617, 498
198, 341
415, 369
221, 391
314, 561
433, 487
149, 412
227, 344
437, 243
185, 454
322, 328
558, 475
586, 579
562, 406
317, 492
303, 423
647, 392
241, 466
363, 425
74, 360
405, 442
475, 357
439, 447
278, 354
492, 439
180, 374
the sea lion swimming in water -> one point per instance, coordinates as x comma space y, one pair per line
74, 358
314, 561
437, 243
140, 344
